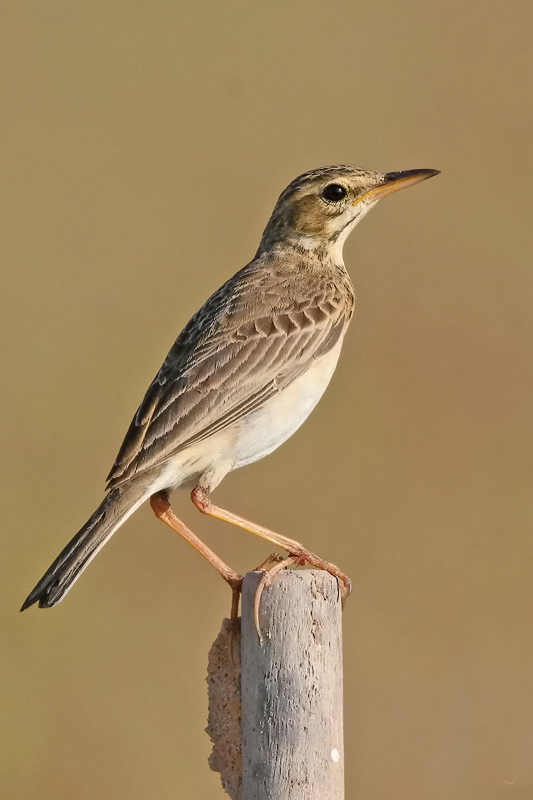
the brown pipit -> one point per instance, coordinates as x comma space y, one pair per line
243, 375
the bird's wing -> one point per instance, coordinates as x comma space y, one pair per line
253, 337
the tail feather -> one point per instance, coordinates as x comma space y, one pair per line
116, 507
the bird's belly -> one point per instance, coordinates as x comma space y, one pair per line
264, 430
206, 462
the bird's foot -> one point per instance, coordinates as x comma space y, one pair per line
297, 553
266, 579
344, 581
298, 558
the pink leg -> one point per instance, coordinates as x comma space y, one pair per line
298, 554
161, 508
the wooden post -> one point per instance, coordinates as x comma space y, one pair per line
291, 689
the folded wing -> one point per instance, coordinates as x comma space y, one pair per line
229, 360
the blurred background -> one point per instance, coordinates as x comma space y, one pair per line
143, 146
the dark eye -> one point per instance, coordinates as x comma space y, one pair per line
334, 192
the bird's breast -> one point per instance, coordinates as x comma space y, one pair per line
265, 429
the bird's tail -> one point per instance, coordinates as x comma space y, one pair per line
116, 507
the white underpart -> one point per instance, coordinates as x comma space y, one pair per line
258, 434
265, 429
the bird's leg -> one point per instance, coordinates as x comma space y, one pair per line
202, 501
161, 508
297, 552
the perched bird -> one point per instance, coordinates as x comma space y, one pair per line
243, 375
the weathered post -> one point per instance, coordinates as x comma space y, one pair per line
290, 689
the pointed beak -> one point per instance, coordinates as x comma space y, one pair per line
394, 181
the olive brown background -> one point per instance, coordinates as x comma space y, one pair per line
143, 146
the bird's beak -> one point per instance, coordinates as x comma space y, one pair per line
394, 181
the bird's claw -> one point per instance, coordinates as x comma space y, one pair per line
275, 563
266, 579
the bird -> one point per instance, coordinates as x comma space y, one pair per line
242, 376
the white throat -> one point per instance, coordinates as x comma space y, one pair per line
361, 210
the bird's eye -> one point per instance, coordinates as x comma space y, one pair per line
334, 192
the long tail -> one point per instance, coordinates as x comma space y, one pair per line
116, 507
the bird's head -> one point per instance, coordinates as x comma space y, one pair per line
319, 209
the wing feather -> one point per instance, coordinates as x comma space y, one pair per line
252, 338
